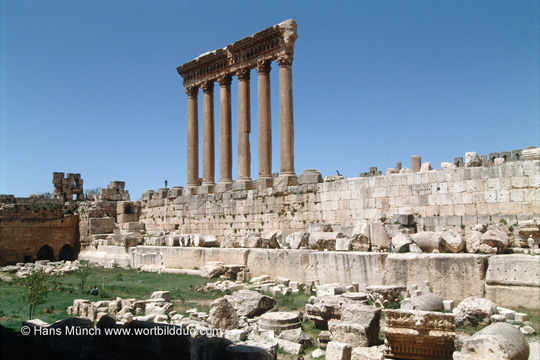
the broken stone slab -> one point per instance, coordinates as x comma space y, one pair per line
297, 336
401, 242
252, 350
426, 302
271, 239
348, 332
368, 353
324, 240
223, 315
495, 238
475, 311
330, 289
297, 239
213, 269
318, 227
236, 335
250, 303
473, 240
497, 341
366, 316
378, 235
382, 295
326, 308
452, 241
165, 295
428, 241
338, 351
310, 176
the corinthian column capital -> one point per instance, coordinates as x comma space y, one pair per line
243, 74
191, 91
284, 59
224, 79
263, 66
208, 86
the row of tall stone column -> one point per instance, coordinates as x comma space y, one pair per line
286, 124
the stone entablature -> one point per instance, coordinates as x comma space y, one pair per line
421, 335
267, 44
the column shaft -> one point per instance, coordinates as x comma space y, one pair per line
265, 121
286, 118
225, 130
208, 134
192, 138
244, 125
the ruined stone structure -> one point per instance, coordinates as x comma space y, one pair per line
37, 229
67, 187
419, 335
238, 59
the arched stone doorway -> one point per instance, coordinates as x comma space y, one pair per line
45, 253
67, 253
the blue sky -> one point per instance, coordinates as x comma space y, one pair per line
91, 86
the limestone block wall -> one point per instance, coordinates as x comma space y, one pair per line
514, 280
452, 276
26, 228
438, 198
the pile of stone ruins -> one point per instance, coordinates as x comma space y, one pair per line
422, 327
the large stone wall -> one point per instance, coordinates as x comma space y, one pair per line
32, 230
438, 198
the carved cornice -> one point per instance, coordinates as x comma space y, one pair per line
207, 86
284, 59
243, 74
192, 91
263, 66
266, 44
224, 79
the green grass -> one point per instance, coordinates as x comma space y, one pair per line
124, 283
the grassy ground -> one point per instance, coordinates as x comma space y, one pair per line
112, 283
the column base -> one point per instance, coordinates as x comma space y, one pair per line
286, 180
242, 185
222, 187
205, 189
263, 183
190, 190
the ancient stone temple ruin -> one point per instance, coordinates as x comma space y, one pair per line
67, 187
238, 59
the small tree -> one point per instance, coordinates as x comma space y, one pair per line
36, 290
82, 273
93, 191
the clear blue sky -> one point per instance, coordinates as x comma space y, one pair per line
91, 86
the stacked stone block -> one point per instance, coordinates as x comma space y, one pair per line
66, 187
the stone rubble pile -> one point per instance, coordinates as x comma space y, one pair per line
56, 268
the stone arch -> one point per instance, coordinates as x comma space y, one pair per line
45, 253
67, 252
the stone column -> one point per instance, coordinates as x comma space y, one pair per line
225, 131
286, 119
192, 138
208, 134
244, 125
265, 122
